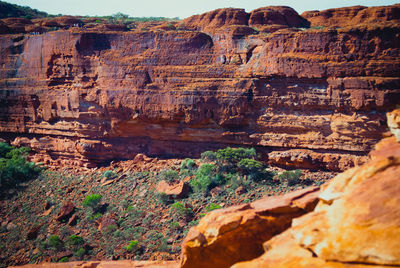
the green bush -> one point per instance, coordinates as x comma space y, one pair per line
209, 156
80, 253
204, 178
252, 168
228, 158
92, 201
291, 177
212, 206
63, 259
180, 211
55, 243
188, 164
14, 167
132, 246
109, 174
169, 175
234, 155
248, 166
75, 240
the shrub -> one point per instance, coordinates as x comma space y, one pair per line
181, 211
209, 156
14, 167
248, 166
203, 179
75, 240
63, 259
251, 167
175, 225
228, 158
80, 253
169, 175
92, 201
4, 149
212, 206
292, 177
164, 198
109, 174
234, 155
132, 246
188, 164
55, 242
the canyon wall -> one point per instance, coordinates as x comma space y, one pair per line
304, 97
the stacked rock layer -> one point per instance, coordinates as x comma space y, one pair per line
304, 97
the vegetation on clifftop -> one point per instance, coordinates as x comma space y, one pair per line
8, 10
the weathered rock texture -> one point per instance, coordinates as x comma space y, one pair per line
226, 236
355, 224
84, 97
348, 16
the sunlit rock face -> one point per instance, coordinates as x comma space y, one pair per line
355, 223
313, 98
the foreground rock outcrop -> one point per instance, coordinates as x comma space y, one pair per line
83, 97
226, 236
355, 224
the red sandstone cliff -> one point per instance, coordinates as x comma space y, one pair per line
305, 98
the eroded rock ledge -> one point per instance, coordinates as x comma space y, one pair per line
313, 98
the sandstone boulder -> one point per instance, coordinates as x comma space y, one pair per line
173, 190
226, 236
393, 120
66, 211
355, 224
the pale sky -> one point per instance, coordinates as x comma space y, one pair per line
179, 8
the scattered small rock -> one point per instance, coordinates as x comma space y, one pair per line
73, 220
240, 190
173, 190
66, 211
215, 191
106, 221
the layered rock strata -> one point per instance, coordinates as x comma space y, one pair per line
312, 98
355, 224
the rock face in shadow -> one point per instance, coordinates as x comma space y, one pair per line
310, 98
355, 224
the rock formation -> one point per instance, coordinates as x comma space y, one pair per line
226, 236
349, 16
355, 224
313, 98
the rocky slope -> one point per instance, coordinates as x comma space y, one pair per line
354, 222
312, 98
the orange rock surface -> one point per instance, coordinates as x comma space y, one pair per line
84, 97
226, 236
348, 16
355, 224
